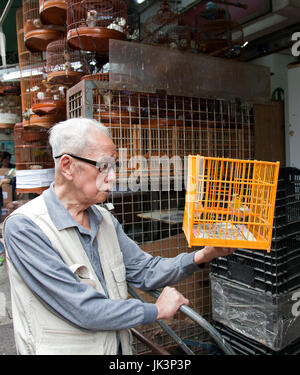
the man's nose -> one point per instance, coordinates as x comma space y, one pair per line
111, 175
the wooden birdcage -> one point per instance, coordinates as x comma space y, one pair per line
64, 65
32, 150
47, 99
91, 23
10, 111
36, 35
115, 107
166, 28
53, 12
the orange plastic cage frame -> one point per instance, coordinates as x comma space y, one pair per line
230, 202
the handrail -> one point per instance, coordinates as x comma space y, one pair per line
164, 326
216, 336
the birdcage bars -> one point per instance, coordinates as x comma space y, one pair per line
64, 65
53, 12
10, 111
46, 98
91, 23
166, 28
32, 150
36, 35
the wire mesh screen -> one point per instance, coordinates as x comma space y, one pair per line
154, 134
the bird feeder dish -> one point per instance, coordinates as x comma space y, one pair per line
92, 23
230, 202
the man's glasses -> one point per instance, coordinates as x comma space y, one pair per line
103, 167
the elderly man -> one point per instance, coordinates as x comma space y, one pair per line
69, 259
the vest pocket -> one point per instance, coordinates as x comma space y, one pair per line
67, 342
83, 274
120, 278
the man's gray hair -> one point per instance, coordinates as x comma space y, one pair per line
74, 136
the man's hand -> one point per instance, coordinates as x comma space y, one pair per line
208, 253
169, 302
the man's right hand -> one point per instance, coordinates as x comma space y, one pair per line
169, 302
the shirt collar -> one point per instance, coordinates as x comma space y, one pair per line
61, 217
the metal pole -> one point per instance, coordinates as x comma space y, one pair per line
164, 326
6, 10
204, 324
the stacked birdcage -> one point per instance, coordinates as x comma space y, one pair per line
10, 106
42, 107
166, 28
217, 35
53, 12
47, 99
64, 65
92, 23
37, 35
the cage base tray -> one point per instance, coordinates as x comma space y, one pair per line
37, 40
46, 121
53, 12
94, 39
48, 108
6, 126
64, 78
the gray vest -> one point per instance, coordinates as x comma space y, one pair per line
37, 329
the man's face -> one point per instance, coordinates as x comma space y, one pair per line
94, 185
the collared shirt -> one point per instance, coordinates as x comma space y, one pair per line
43, 270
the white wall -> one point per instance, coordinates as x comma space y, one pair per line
279, 79
294, 115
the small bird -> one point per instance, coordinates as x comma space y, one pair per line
237, 206
108, 97
91, 19
37, 23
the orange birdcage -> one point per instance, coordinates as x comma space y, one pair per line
64, 65
91, 23
53, 12
36, 34
46, 98
230, 202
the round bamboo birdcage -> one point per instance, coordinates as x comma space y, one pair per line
166, 28
36, 35
32, 149
53, 12
10, 111
64, 65
92, 23
47, 99
46, 121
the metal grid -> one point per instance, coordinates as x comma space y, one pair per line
150, 130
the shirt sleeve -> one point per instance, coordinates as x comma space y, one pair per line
45, 273
145, 272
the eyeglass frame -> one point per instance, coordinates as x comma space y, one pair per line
97, 164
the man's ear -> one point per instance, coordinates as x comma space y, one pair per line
66, 166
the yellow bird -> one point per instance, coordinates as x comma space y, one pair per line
235, 203
237, 206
